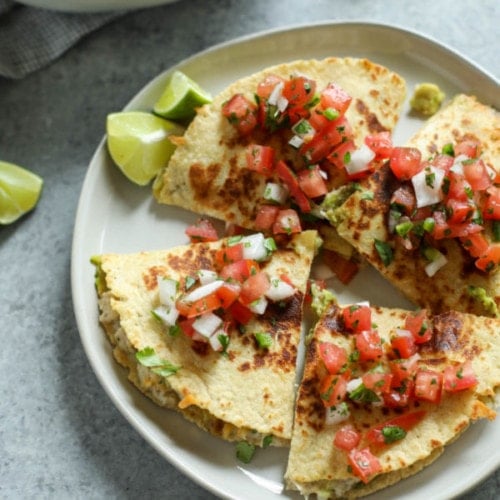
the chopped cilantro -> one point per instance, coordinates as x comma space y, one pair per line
233, 240
263, 339
448, 149
363, 395
148, 357
496, 231
245, 452
403, 228
367, 195
384, 251
331, 114
174, 330
267, 441
429, 179
393, 433
190, 281
270, 245
224, 342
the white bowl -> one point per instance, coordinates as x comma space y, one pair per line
93, 5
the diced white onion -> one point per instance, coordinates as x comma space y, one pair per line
321, 271
207, 276
360, 160
168, 314
323, 174
254, 247
401, 332
258, 306
167, 290
207, 324
276, 193
215, 342
276, 94
336, 414
353, 384
282, 103
428, 194
458, 165
296, 141
203, 291
279, 290
435, 265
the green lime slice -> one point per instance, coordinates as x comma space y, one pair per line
19, 191
139, 143
180, 98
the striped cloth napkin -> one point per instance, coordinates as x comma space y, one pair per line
31, 38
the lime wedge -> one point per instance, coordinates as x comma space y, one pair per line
19, 191
180, 98
139, 143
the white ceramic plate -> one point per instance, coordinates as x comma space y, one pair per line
114, 215
93, 5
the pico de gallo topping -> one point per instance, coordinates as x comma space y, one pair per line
454, 194
387, 375
208, 305
314, 124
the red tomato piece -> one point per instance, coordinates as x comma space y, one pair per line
254, 287
469, 147
364, 464
260, 159
202, 230
344, 269
317, 119
228, 254
241, 113
347, 438
335, 97
491, 207
444, 162
459, 211
369, 345
240, 313
287, 175
444, 229
404, 198
201, 306
266, 86
428, 385
405, 162
380, 143
476, 175
299, 90
333, 356
458, 187
403, 370
287, 222
404, 345
419, 325
380, 434
476, 244
399, 397
357, 317
490, 259
239, 271
186, 326
341, 153
333, 389
311, 182
228, 293
459, 377
379, 383
266, 217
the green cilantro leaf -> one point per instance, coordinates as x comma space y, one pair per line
148, 357
245, 452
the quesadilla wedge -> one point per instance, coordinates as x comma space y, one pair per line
429, 219
377, 405
211, 329
272, 144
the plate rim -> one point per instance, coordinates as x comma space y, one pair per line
77, 297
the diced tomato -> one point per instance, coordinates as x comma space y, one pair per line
341, 153
254, 287
333, 389
491, 207
404, 198
381, 434
459, 377
469, 147
490, 259
428, 385
357, 317
186, 326
334, 96
198, 307
266, 86
228, 254
287, 222
369, 345
317, 119
458, 187
476, 244
405, 162
311, 182
399, 397
333, 356
404, 345
379, 383
260, 159
287, 175
444, 162
444, 229
266, 217
344, 269
364, 464
228, 293
380, 143
202, 230
459, 211
239, 271
476, 175
241, 113
403, 370
419, 325
347, 438
299, 90
240, 313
